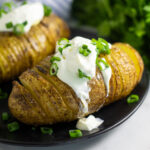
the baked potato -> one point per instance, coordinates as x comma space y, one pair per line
17, 53
40, 99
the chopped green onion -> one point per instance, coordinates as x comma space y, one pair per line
18, 29
3, 95
9, 25
33, 128
14, 126
75, 133
53, 69
5, 116
2, 12
7, 7
47, 10
102, 46
67, 45
98, 63
84, 50
54, 58
25, 23
83, 75
46, 130
24, 3
60, 49
132, 98
63, 39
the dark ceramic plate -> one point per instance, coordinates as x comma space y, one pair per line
113, 115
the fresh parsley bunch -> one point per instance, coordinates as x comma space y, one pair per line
120, 20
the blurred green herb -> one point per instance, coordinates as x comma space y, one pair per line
125, 21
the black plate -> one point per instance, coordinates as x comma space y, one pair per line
113, 115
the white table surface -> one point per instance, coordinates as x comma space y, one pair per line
133, 134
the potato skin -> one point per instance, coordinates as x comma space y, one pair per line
56, 102
21, 52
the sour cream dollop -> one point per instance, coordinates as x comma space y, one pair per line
71, 61
33, 13
89, 123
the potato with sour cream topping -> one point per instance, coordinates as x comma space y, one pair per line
79, 79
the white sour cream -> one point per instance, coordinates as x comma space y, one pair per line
89, 123
33, 13
107, 72
72, 61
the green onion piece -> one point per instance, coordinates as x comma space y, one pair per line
33, 128
46, 130
53, 69
67, 45
25, 23
83, 75
3, 95
84, 50
60, 49
102, 46
7, 7
98, 63
18, 29
63, 39
14, 126
9, 25
54, 58
47, 10
24, 3
132, 99
2, 12
75, 133
5, 116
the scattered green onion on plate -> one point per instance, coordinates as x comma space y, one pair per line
14, 126
132, 99
75, 133
46, 130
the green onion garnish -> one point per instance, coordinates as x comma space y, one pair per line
54, 58
102, 46
3, 95
132, 99
9, 25
63, 39
67, 45
18, 29
2, 12
60, 49
14, 126
47, 10
75, 133
84, 50
5, 116
83, 75
33, 128
98, 63
24, 3
25, 23
7, 7
46, 130
53, 69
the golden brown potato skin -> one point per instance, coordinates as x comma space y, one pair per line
44, 99
17, 53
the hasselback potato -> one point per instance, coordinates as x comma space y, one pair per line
17, 53
43, 99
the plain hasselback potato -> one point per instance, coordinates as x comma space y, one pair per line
43, 99
17, 53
